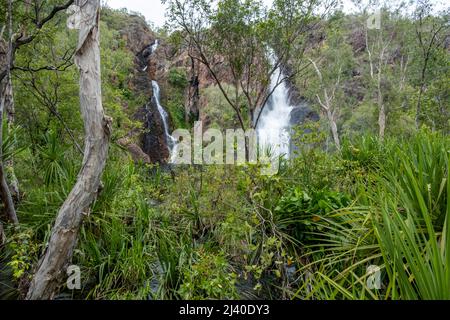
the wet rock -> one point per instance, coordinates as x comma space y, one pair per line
303, 113
153, 137
136, 33
136, 151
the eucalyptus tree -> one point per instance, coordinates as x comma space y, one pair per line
332, 63
6, 100
380, 29
53, 264
379, 47
432, 36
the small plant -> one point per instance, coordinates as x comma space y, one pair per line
24, 252
297, 210
53, 155
209, 277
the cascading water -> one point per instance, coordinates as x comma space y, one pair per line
163, 114
157, 98
154, 46
273, 126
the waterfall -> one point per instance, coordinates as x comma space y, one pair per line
273, 126
154, 46
163, 114
157, 98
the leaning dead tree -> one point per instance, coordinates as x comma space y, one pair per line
52, 266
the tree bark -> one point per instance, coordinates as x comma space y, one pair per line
334, 129
419, 98
381, 108
5, 193
52, 266
5, 82
9, 108
2, 235
327, 105
382, 121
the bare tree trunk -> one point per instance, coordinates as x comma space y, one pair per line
327, 105
13, 182
2, 235
382, 121
9, 101
334, 129
52, 266
381, 109
419, 101
380, 99
5, 193
369, 53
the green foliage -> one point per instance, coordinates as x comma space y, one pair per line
298, 211
177, 78
226, 232
54, 164
415, 252
218, 111
402, 229
10, 147
209, 277
23, 250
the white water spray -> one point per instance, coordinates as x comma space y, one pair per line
273, 126
162, 112
154, 46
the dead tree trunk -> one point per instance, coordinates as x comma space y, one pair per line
5, 82
8, 96
327, 104
2, 235
382, 61
381, 116
5, 194
52, 266
381, 106
334, 129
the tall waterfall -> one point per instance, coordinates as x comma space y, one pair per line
163, 114
273, 126
157, 98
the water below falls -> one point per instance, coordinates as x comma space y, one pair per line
273, 126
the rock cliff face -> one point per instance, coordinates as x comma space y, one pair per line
138, 37
199, 79
155, 65
302, 112
149, 65
153, 140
